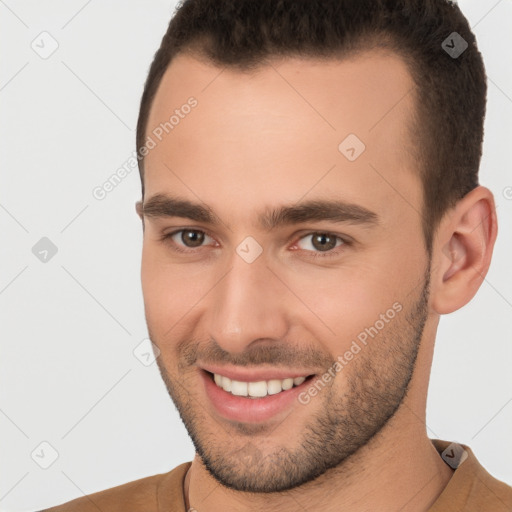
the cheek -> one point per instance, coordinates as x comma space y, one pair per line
170, 290
346, 302
348, 307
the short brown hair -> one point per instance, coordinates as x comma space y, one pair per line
450, 94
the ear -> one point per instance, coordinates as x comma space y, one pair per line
462, 250
138, 209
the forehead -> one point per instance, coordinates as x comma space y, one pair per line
274, 134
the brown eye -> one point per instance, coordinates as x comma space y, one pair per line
320, 242
192, 237
186, 238
323, 242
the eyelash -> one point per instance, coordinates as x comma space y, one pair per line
167, 238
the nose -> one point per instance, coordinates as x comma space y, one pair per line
248, 304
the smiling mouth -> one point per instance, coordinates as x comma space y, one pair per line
257, 389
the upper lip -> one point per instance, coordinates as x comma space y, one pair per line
255, 374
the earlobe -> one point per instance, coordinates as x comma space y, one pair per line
463, 250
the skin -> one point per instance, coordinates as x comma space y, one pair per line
270, 138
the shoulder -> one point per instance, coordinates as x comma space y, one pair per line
490, 492
143, 494
472, 488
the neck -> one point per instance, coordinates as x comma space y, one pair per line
398, 469
386, 475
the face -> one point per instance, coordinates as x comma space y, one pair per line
283, 260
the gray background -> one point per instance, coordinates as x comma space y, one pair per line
69, 326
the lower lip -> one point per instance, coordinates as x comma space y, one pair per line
249, 410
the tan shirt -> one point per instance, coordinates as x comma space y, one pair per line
471, 489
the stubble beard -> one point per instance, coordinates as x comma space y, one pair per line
243, 458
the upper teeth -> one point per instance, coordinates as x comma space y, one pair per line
256, 389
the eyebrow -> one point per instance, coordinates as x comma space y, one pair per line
163, 206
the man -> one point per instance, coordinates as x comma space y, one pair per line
310, 207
